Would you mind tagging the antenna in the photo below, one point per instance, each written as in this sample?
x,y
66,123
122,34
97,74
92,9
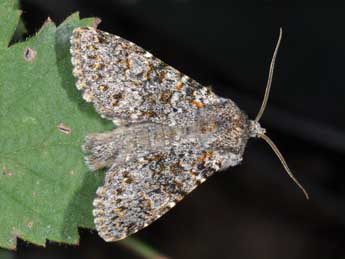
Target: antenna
x,y
261,134
270,77
282,160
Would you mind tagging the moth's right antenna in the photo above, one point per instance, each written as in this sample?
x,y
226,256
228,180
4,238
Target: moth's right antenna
x,y
260,132
282,160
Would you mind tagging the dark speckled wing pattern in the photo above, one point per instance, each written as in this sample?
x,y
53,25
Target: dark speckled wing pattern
x,y
127,84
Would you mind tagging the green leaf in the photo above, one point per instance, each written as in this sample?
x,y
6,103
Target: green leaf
x,y
46,192
8,21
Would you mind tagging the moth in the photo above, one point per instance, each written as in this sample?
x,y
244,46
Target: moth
x,y
172,132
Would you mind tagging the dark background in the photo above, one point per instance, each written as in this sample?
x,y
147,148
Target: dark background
x,y
253,210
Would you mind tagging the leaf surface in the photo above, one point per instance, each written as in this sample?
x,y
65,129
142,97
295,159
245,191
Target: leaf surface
x,y
46,191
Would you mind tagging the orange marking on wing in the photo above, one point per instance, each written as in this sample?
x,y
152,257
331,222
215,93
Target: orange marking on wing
x,y
198,104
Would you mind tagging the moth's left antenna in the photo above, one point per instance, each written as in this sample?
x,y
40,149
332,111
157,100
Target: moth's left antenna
x,y
270,77
261,134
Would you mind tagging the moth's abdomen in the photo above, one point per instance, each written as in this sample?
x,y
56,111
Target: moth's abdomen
x,y
125,143
101,149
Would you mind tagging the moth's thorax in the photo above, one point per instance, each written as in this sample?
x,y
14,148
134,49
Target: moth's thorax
x,y
232,128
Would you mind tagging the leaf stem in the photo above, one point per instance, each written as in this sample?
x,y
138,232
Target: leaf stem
x,y
140,248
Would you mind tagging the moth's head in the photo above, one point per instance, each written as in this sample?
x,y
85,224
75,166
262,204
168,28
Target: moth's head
x,y
255,130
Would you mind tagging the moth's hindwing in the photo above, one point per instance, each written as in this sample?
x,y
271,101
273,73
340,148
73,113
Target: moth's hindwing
x,y
139,192
127,84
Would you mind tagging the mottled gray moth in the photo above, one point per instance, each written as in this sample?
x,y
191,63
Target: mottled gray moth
x,y
172,132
